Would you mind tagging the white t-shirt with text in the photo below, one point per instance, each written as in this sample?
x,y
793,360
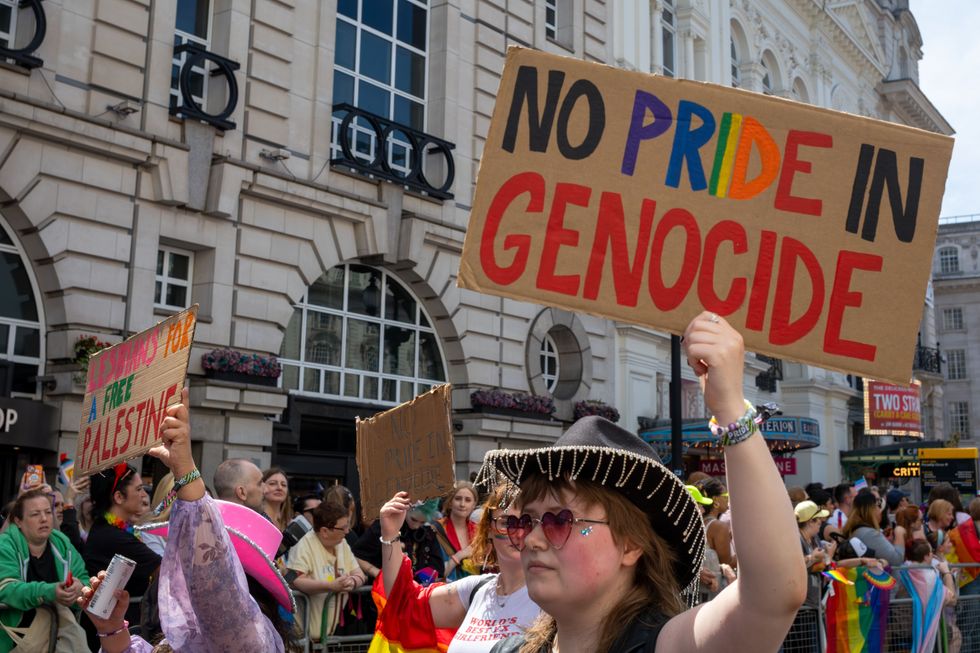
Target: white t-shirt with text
x,y
487,621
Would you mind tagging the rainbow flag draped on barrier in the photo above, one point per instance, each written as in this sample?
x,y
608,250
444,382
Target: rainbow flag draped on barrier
x,y
404,619
928,593
966,550
857,615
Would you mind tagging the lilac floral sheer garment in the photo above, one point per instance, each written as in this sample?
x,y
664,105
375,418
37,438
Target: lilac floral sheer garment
x,y
204,602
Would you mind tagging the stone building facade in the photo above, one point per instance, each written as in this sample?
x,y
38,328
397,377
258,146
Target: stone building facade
x,y
956,280
304,171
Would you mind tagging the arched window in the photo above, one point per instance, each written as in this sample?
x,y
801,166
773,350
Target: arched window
x,y
767,84
20,325
799,91
549,363
949,260
736,66
359,335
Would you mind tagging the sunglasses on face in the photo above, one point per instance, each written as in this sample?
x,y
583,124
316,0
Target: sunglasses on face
x,y
556,528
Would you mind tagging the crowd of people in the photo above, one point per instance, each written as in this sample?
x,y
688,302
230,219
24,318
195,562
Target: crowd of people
x,y
590,544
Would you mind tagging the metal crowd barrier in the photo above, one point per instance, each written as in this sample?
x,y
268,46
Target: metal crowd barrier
x,y
959,629
332,643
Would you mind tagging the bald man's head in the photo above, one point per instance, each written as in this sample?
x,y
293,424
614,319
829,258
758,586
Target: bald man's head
x,y
239,481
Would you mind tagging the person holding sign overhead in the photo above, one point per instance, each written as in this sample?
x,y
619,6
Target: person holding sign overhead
x,y
609,537
216,560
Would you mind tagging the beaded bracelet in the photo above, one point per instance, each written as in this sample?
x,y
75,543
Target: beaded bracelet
x,y
391,542
115,632
190,476
739,430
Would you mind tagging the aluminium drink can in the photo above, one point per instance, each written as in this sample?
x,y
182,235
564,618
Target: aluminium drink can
x,y
116,577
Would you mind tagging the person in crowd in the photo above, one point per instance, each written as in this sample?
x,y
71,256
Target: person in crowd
x,y
811,488
939,517
939,547
711,577
74,502
895,500
455,530
156,542
117,503
227,599
609,538
275,497
967,615
326,570
796,495
418,538
83,507
864,523
482,608
825,501
38,566
239,481
946,491
718,533
809,518
340,494
844,495
302,523
908,527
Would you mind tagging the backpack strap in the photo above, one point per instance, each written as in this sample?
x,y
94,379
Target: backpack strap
x,y
483,582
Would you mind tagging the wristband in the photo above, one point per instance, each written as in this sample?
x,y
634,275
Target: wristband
x,y
187,478
390,542
738,431
115,632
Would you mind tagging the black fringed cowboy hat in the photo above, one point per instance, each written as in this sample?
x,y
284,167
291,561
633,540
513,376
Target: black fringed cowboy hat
x,y
595,449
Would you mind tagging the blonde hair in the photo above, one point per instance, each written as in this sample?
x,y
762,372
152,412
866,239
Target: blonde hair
x,y
161,491
653,583
457,486
937,508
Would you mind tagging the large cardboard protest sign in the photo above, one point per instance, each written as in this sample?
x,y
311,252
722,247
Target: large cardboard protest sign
x,y
648,200
409,447
891,409
128,389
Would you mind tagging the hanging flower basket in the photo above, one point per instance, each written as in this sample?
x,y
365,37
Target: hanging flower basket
x,y
240,367
516,404
86,347
595,407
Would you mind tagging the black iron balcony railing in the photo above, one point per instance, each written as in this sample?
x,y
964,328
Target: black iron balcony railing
x,y
190,108
928,359
24,56
382,148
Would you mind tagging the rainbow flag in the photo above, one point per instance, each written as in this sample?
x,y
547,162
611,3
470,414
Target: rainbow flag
x,y
857,615
404,618
966,550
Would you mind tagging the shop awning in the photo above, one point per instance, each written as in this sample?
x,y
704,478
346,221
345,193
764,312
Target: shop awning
x,y
887,453
783,433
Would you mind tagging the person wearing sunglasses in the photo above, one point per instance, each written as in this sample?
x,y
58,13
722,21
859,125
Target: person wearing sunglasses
x,y
609,537
482,609
118,500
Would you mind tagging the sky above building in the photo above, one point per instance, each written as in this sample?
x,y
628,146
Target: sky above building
x,y
947,75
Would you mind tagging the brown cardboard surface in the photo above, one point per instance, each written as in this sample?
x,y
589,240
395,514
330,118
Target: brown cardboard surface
x,y
128,389
410,448
648,200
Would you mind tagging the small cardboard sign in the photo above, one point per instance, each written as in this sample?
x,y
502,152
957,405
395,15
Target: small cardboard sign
x,y
891,409
410,448
127,391
648,200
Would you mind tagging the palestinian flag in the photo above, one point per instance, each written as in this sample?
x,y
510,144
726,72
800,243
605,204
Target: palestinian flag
x,y
404,618
966,550
857,615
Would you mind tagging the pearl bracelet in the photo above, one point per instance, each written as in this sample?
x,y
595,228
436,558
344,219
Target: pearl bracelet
x,y
391,542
